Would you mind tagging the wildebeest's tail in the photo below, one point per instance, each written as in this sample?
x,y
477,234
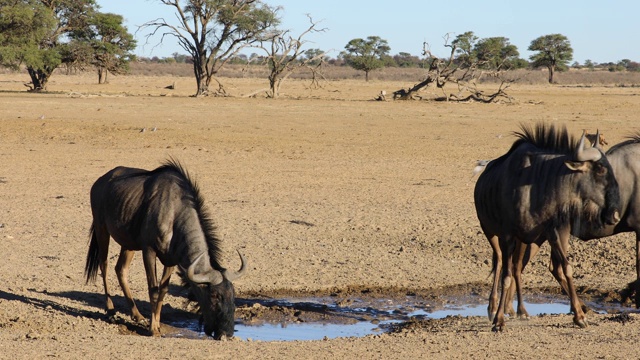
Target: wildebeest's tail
x,y
91,267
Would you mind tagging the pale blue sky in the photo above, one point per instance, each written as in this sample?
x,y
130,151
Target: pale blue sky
x,y
601,31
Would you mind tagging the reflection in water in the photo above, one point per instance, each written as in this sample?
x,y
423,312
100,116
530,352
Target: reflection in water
x,y
304,331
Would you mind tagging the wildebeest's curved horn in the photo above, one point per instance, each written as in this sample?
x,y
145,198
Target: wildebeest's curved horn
x,y
213,277
596,143
589,154
237,274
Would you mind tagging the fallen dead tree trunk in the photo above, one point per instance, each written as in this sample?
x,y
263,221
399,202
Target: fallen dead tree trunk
x,y
465,76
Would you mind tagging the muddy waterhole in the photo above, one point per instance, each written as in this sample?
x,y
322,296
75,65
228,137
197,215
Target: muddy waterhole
x,y
316,318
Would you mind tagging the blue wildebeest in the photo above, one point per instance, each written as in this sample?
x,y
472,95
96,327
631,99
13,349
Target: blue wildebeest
x,y
544,186
623,158
162,213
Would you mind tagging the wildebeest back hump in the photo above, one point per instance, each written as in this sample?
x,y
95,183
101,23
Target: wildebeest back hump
x,y
112,186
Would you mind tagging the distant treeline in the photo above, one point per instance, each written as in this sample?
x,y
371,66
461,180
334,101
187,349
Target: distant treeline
x,y
400,60
406,75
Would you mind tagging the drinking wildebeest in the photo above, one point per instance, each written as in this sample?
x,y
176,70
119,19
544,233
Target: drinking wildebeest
x,y
623,158
544,186
162,213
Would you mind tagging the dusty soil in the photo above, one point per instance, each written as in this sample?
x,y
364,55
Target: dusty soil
x,y
326,192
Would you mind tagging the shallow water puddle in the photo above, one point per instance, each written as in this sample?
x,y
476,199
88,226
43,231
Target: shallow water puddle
x,y
318,331
327,319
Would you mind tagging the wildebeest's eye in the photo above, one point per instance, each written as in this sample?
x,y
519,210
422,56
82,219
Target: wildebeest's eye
x,y
600,170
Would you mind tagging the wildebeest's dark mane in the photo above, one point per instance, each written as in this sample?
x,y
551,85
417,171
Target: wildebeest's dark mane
x,y
546,137
631,139
206,222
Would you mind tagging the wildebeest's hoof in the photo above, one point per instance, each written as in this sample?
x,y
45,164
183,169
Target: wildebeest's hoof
x,y
523,314
140,320
111,317
582,323
492,316
498,327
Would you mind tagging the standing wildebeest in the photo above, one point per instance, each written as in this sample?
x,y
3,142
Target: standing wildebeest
x,y
624,159
541,188
162,213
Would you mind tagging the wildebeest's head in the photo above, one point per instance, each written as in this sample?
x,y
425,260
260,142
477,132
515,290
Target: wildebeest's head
x,y
215,295
599,188
217,307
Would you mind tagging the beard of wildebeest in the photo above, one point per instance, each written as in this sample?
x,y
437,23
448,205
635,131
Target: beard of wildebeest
x,y
613,202
217,308
608,212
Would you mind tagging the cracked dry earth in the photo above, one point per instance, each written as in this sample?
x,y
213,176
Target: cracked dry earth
x,y
327,193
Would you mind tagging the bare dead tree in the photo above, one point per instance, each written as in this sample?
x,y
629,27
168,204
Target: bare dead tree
x,y
284,57
317,75
213,32
443,71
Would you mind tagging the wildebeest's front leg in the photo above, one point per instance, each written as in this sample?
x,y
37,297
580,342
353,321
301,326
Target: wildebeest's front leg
x,y
162,291
555,266
122,270
559,242
149,258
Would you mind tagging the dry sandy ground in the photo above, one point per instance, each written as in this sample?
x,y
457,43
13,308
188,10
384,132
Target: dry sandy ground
x,y
325,191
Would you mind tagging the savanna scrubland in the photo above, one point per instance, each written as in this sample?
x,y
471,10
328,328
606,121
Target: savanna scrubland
x,y
325,191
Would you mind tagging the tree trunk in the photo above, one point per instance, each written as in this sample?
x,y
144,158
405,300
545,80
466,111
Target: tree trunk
x,y
272,86
366,75
102,75
39,79
551,71
200,73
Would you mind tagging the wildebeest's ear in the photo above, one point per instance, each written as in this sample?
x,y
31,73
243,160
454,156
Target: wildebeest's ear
x,y
577,165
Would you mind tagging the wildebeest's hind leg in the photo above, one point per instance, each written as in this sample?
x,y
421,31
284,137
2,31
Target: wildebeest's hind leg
x,y
122,270
507,245
496,272
98,257
524,253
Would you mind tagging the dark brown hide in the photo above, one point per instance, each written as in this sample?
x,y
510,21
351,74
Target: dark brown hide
x,y
162,214
544,186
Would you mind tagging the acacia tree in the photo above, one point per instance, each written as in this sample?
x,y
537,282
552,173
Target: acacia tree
x,y
285,55
33,33
111,45
315,55
496,53
23,28
212,32
366,55
462,47
554,52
